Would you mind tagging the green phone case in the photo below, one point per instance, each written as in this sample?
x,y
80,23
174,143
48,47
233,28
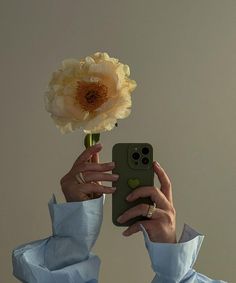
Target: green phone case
x,y
132,174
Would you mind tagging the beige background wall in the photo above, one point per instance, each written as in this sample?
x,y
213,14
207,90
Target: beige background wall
x,y
183,56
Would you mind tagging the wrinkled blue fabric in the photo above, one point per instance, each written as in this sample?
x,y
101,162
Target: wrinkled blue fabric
x,y
66,256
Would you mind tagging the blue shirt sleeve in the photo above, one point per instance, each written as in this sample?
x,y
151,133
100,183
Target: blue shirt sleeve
x,y
66,256
173,263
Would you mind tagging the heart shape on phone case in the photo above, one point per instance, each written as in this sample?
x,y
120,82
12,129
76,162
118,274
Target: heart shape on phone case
x,y
133,183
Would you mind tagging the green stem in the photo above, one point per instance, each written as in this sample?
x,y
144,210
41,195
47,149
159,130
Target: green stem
x,y
91,139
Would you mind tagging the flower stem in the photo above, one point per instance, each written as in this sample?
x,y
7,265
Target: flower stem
x,y
91,139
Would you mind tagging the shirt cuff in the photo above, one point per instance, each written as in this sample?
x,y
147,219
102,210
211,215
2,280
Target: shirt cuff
x,y
171,262
75,226
76,218
28,266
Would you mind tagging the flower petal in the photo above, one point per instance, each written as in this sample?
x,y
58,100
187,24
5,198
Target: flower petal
x,y
61,100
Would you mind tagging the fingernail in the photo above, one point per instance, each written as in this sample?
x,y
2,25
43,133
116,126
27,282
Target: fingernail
x,y
113,188
156,163
128,197
119,219
98,145
111,164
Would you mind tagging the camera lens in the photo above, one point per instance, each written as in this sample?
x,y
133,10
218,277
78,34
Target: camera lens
x,y
145,160
145,150
136,155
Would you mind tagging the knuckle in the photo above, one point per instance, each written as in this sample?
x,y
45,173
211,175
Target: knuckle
x,y
169,219
171,210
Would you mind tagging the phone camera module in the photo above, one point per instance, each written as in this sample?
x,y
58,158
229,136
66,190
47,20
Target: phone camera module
x,y
145,150
135,155
145,160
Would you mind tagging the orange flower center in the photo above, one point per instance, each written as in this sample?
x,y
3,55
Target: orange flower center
x,y
90,96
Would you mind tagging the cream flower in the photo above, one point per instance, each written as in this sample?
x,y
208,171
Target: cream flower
x,y
90,94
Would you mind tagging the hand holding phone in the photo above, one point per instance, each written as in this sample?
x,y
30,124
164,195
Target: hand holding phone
x,y
133,164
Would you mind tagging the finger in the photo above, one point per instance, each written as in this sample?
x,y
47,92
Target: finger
x,y
94,176
132,230
154,193
165,182
95,158
87,153
136,227
94,188
139,210
98,167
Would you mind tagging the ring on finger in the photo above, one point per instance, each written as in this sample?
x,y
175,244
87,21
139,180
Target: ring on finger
x,y
151,210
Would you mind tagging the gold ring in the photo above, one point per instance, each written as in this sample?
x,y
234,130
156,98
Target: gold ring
x,y
151,209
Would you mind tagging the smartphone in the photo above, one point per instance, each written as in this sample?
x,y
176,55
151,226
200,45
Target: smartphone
x,y
133,163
